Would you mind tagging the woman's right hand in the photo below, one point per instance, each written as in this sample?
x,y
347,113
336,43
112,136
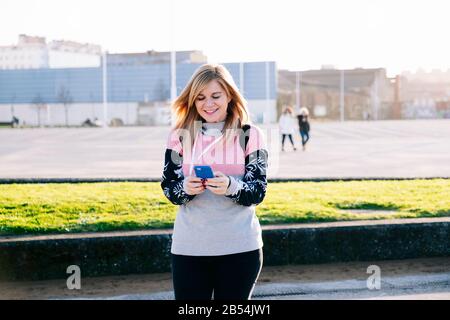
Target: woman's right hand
x,y
193,185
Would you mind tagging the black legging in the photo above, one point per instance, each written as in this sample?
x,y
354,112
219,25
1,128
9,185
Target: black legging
x,y
231,277
284,137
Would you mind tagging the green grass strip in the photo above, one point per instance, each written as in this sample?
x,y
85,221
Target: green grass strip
x,y
95,207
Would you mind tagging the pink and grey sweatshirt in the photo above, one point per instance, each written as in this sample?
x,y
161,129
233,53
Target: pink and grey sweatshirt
x,y
208,224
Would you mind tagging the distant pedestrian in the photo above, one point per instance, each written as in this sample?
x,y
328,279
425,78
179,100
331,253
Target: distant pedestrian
x,y
15,122
304,126
287,126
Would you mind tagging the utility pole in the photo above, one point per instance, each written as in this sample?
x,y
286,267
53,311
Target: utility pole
x,y
173,66
397,105
298,78
265,114
105,90
375,99
241,77
342,95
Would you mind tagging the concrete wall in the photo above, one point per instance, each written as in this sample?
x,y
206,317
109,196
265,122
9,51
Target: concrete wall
x,y
54,114
262,111
47,257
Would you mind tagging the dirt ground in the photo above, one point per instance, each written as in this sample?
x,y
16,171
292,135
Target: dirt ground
x,y
149,283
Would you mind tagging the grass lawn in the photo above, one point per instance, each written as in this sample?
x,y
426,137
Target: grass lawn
x,y
60,208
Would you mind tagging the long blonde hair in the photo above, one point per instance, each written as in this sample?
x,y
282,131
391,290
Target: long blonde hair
x,y
304,111
184,109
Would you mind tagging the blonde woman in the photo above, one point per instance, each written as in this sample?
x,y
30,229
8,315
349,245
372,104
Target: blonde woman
x,y
216,244
287,126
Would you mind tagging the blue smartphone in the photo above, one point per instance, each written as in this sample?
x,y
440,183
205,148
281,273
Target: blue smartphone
x,y
204,172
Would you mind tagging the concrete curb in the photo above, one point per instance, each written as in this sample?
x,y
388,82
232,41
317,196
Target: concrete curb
x,y
138,252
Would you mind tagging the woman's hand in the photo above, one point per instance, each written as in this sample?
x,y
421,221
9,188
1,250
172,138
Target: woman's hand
x,y
193,185
219,184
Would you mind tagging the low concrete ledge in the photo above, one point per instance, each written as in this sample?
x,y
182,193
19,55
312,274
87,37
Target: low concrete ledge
x,y
137,252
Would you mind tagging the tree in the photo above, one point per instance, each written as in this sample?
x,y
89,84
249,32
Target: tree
x,y
39,104
66,99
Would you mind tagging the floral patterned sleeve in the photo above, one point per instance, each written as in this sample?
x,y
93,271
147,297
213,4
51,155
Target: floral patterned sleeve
x,y
172,177
251,190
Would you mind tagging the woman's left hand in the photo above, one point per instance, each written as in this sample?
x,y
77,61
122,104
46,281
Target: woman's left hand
x,y
219,184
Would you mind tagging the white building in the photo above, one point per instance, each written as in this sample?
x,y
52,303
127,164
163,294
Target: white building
x,y
29,53
34,53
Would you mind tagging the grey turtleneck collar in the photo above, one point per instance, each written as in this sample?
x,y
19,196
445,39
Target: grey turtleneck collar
x,y
212,128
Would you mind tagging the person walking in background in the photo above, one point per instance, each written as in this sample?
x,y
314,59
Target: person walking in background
x,y
287,126
217,240
304,126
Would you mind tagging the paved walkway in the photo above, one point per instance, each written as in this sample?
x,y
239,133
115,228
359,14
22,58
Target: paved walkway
x,y
416,148
426,278
431,286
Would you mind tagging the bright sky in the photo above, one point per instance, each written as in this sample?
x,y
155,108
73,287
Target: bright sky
x,y
297,34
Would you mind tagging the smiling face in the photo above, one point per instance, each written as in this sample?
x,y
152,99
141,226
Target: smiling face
x,y
212,102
